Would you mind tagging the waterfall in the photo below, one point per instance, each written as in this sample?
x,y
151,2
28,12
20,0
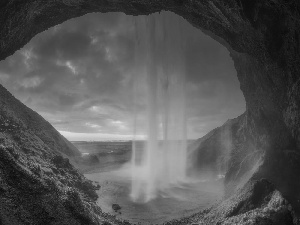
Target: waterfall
x,y
160,77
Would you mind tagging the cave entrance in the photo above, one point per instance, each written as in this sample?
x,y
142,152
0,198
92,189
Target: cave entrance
x,y
78,76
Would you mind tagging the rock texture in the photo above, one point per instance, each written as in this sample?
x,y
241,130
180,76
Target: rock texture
x,y
15,116
210,155
38,185
257,203
263,39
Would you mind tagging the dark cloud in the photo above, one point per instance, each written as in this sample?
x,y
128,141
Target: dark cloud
x,y
78,76
63,45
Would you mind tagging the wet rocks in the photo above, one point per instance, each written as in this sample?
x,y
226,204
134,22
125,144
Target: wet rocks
x,y
258,202
116,207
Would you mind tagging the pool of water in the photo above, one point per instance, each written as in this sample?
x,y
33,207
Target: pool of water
x,y
179,201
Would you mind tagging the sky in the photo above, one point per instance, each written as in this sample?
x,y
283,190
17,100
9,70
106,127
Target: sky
x,y
77,76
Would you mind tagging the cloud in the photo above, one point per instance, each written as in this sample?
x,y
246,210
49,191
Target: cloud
x,y
31,82
92,125
78,75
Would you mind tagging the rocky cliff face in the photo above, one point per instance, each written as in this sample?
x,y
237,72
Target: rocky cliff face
x,y
263,39
226,151
38,185
15,116
210,155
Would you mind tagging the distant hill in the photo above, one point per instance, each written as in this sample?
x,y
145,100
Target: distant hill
x,y
102,155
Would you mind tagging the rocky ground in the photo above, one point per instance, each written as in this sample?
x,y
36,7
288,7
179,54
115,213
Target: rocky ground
x,y
257,203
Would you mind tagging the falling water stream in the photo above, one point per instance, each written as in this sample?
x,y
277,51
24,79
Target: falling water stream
x,y
153,187
160,72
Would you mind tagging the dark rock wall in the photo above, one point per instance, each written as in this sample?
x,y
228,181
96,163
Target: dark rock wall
x,y
263,39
